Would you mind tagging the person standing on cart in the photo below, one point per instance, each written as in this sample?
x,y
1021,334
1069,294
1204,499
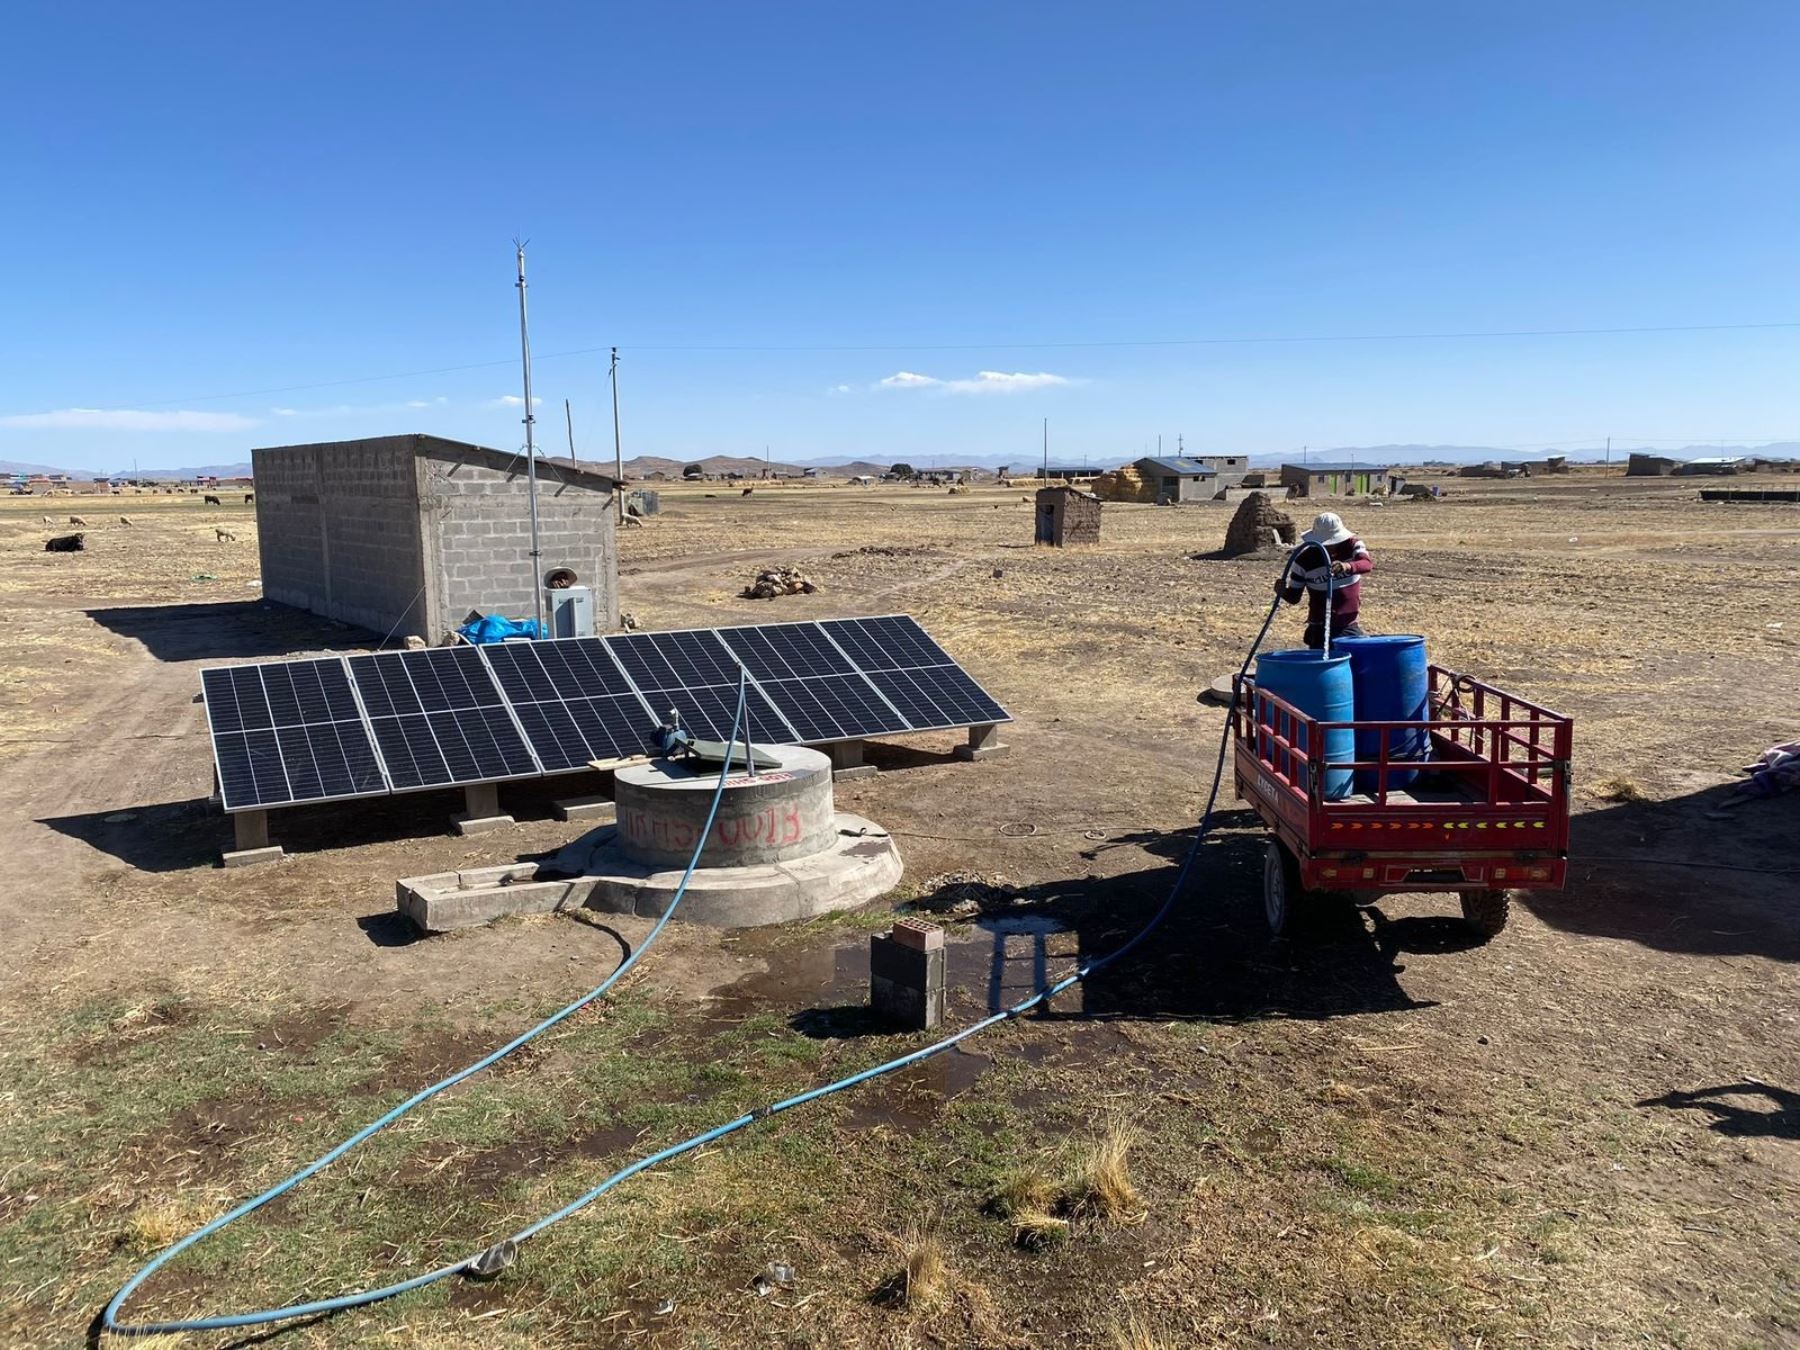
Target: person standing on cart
x,y
1337,566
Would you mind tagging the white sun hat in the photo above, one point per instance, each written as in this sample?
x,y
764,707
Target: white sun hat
x,y
1327,528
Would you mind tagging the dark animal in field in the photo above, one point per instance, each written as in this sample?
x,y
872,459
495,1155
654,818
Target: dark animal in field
x,y
210,500
748,491
65,543
124,520
249,497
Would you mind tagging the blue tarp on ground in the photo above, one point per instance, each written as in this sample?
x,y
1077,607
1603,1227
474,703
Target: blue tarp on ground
x,y
495,628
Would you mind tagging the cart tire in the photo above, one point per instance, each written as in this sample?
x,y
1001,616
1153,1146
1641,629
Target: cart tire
x,y
1281,887
1486,911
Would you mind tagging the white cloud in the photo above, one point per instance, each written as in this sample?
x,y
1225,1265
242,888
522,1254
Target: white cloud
x,y
984,382
838,389
285,412
514,401
129,419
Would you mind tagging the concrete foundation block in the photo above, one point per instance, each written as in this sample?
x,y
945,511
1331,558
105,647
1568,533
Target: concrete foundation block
x,y
444,911
251,857
466,825
983,743
906,984
974,752
585,808
854,772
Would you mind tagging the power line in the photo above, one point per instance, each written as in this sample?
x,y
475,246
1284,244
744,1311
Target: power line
x,y
1098,345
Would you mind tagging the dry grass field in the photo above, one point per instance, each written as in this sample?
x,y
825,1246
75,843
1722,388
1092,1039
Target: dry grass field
x,y
1376,1133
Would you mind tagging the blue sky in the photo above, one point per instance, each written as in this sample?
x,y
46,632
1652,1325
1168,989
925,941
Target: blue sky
x,y
773,209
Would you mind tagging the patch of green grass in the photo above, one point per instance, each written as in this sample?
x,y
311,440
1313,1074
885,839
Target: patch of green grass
x,y
1364,1178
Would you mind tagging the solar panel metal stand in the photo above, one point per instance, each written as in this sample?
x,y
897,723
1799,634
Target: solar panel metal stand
x,y
481,810
847,761
984,743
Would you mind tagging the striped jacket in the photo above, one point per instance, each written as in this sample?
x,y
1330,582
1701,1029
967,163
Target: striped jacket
x,y
1307,575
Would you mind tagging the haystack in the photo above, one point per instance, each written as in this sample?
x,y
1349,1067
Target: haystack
x,y
1258,527
1124,485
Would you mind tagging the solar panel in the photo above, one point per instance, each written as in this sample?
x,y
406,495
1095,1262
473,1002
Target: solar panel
x,y
694,674
892,642
286,733
913,673
573,701
439,719
784,651
319,730
812,683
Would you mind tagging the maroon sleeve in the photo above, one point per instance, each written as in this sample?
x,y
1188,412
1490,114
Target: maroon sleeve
x,y
1360,561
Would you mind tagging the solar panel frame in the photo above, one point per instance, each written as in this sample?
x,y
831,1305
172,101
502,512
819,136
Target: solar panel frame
x,y
443,689
552,718
299,735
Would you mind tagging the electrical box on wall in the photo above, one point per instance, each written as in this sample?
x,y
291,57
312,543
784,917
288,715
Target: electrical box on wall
x,y
569,611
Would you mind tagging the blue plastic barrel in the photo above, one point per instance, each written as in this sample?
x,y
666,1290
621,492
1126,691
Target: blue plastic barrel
x,y
1321,687
1390,679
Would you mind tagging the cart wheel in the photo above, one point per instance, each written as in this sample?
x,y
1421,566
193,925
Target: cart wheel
x,y
1281,887
1486,911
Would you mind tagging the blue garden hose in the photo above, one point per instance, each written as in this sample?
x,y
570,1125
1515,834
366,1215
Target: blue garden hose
x,y
502,1253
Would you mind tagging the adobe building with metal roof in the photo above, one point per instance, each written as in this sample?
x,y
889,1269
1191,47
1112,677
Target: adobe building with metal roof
x,y
411,534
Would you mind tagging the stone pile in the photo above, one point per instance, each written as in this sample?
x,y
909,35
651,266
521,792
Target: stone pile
x,y
774,581
1258,527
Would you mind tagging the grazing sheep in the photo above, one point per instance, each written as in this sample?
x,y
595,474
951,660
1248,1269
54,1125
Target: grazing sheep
x,y
77,520
748,491
225,536
210,500
249,497
124,520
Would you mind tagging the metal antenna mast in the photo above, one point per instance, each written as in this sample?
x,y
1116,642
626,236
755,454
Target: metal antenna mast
x,y
569,417
537,580
618,452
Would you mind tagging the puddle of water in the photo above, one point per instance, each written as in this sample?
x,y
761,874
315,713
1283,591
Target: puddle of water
x,y
915,1096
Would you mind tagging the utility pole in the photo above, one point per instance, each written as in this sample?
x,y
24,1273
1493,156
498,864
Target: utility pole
x,y
537,580
1046,449
569,417
1609,450
618,451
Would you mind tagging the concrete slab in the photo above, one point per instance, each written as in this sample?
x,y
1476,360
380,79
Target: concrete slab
x,y
584,808
973,752
853,773
466,825
860,865
443,911
252,857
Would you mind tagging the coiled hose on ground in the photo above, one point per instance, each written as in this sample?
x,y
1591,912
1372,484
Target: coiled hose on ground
x,y
494,1258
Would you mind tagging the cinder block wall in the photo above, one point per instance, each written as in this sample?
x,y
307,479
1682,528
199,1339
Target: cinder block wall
x,y
339,533
478,529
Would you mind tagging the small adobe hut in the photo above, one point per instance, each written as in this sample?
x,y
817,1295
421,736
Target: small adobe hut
x,y
1067,515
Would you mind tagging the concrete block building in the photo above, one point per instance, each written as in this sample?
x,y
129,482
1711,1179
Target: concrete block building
x,y
408,534
1178,479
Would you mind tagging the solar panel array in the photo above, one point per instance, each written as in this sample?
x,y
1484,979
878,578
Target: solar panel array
x,y
289,733
320,730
